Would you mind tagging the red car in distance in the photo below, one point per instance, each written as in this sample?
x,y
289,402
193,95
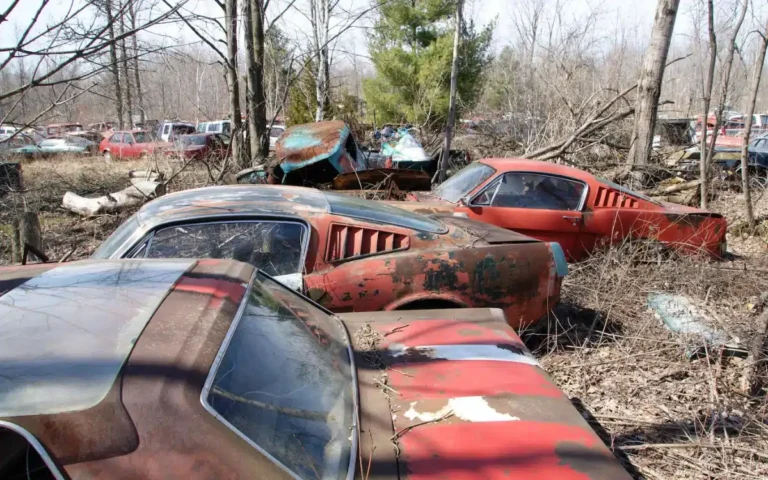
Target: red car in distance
x,y
556,203
129,144
200,146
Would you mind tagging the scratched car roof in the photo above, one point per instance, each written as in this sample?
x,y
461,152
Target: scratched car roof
x,y
233,200
67,331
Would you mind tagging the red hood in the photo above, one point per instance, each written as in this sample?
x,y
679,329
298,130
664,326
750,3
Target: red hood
x,y
467,400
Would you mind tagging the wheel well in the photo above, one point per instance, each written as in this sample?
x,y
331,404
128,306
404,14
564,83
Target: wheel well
x,y
429,304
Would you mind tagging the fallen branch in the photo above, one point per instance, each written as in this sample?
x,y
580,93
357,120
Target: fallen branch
x,y
138,193
674,188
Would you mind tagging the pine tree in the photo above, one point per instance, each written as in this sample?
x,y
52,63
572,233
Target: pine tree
x,y
411,49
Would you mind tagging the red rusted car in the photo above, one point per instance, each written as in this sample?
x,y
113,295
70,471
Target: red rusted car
x,y
562,204
155,369
199,146
350,254
129,144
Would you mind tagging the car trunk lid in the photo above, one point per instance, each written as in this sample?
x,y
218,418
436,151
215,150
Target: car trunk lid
x,y
456,394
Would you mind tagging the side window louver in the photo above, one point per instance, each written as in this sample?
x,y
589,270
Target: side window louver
x,y
347,241
611,198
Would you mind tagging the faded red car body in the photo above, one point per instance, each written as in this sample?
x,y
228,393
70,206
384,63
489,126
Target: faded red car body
x,y
358,264
129,144
603,213
465,399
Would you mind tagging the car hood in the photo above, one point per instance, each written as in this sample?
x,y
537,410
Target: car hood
x,y
456,394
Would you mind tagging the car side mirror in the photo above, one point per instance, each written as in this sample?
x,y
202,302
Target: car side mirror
x,y
464,201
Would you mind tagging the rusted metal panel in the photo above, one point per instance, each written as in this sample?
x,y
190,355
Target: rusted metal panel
x,y
468,401
382,178
302,146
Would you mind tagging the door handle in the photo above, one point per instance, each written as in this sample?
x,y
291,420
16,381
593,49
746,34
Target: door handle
x,y
573,220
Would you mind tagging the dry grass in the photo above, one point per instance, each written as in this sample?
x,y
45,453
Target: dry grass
x,y
46,182
666,416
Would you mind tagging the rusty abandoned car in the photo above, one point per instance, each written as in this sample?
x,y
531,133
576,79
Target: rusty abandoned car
x,y
350,254
567,205
188,369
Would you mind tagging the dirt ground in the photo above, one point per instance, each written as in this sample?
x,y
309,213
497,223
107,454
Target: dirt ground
x,y
665,415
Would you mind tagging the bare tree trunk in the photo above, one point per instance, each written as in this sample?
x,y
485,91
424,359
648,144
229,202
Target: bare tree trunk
x,y
252,146
650,84
137,75
704,155
452,101
258,114
126,76
320,16
756,75
230,13
114,66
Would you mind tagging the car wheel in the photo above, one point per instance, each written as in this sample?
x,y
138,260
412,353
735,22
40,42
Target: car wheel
x,y
107,156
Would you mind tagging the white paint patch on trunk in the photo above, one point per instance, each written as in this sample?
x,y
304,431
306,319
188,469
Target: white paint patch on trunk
x,y
470,409
466,353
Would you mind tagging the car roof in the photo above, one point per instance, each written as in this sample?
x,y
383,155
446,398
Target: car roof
x,y
522,164
232,200
92,327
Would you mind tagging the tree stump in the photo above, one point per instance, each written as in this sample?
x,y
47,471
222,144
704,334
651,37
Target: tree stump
x,y
26,230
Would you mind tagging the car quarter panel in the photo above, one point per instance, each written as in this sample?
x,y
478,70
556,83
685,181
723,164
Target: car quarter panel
x,y
162,384
514,277
483,406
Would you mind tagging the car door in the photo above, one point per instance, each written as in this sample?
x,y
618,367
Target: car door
x,y
276,247
128,146
546,207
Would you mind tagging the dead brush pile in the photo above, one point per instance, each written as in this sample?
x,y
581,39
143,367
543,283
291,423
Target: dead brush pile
x,y
666,415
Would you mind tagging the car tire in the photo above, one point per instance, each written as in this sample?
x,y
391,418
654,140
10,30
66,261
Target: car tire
x,y
107,156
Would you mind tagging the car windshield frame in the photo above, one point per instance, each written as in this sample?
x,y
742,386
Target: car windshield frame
x,y
383,214
466,174
286,293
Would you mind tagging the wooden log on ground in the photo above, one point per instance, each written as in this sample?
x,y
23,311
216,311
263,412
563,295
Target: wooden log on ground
x,y
138,193
26,231
679,187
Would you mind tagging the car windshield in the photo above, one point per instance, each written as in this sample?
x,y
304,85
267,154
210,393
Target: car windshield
x,y
284,382
118,238
464,181
189,140
627,191
349,206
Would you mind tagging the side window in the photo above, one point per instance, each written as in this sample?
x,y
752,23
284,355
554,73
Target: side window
x,y
276,132
166,129
487,195
225,128
534,190
127,138
116,138
276,248
213,128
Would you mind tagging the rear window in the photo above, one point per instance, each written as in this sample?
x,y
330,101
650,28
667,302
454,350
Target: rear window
x,y
283,380
349,206
65,334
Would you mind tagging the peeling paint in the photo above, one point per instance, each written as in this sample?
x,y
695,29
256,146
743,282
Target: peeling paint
x,y
494,353
470,409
